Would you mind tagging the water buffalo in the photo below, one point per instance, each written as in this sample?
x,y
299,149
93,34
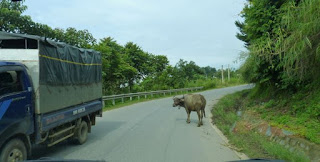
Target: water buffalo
x,y
192,102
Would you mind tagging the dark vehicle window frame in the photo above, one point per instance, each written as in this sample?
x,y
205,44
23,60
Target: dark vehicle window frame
x,y
19,79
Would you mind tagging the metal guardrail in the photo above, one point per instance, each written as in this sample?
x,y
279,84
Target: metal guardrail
x,y
145,94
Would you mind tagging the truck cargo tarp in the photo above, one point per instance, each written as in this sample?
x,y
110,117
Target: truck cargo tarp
x,y
62,64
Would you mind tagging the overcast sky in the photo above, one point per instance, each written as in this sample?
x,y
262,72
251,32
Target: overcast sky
x,y
202,31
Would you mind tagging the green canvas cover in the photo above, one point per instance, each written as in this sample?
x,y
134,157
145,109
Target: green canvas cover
x,y
62,64
63,76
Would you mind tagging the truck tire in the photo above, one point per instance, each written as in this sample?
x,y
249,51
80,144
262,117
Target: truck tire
x,y
15,150
82,133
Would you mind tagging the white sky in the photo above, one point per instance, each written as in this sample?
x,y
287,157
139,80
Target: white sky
x,y
202,31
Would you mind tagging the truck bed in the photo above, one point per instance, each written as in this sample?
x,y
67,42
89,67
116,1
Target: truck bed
x,y
54,119
62,75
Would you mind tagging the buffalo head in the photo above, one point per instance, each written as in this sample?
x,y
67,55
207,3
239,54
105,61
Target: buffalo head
x,y
178,102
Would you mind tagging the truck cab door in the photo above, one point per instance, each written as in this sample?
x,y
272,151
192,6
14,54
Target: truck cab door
x,y
16,109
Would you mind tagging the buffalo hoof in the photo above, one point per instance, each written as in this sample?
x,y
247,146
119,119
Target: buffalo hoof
x,y
188,121
199,125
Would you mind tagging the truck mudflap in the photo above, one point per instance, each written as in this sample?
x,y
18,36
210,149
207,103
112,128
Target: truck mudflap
x,y
54,119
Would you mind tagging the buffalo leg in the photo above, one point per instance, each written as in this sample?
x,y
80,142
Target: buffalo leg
x,y
201,117
199,123
188,120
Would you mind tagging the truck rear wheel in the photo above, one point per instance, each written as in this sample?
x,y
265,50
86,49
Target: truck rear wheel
x,y
82,133
15,150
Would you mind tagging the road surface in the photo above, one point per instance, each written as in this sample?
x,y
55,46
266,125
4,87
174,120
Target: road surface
x,y
150,131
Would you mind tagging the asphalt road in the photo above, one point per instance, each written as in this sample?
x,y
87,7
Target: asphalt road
x,y
150,131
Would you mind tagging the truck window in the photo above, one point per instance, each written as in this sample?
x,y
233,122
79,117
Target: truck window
x,y
10,82
19,44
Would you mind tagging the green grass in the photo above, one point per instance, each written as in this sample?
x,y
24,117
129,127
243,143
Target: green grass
x,y
249,142
215,83
224,113
257,146
298,112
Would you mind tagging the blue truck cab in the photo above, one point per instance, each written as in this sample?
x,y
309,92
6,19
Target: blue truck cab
x,y
16,107
49,92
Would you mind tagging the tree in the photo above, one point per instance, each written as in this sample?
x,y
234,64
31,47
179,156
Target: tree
x,y
261,22
138,59
79,38
116,71
12,20
189,71
209,72
282,39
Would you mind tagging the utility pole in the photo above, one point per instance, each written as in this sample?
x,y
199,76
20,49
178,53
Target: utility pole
x,y
206,74
228,73
222,74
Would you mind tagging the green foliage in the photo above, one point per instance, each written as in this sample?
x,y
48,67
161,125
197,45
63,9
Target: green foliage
x,y
159,63
12,20
207,84
116,71
283,42
224,112
138,59
78,38
249,142
209,71
283,59
125,68
261,17
256,146
130,69
299,43
298,112
188,70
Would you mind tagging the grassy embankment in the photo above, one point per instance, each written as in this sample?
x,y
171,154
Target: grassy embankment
x,y
298,112
207,84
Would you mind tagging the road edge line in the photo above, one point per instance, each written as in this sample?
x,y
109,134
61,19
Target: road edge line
x,y
241,155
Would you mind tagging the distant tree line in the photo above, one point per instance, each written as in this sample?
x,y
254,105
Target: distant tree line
x,y
125,68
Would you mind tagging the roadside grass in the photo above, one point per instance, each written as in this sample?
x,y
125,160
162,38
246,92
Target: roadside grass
x,y
224,112
206,84
249,142
298,112
257,146
215,83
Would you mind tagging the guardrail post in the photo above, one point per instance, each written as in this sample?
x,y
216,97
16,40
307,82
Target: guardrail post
x,y
130,98
164,93
145,96
138,97
151,95
113,102
122,99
